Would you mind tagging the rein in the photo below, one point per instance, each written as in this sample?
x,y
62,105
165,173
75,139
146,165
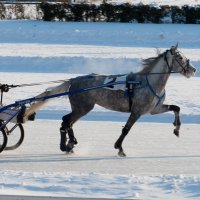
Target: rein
x,y
183,68
7,87
39,83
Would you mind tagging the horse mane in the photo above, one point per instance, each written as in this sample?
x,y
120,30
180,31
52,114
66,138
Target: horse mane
x,y
149,63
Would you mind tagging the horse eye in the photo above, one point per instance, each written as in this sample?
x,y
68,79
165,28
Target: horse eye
x,y
180,57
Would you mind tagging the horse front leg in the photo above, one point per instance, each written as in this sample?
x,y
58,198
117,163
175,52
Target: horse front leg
x,y
118,144
177,122
167,108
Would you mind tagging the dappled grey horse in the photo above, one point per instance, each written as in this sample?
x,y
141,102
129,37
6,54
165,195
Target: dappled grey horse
x,y
142,93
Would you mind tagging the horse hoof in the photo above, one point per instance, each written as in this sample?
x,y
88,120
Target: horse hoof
x,y
63,147
121,154
176,133
70,152
66,148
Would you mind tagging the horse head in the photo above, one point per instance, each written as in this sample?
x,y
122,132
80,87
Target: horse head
x,y
180,63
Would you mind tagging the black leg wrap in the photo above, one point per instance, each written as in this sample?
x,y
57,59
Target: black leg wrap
x,y
176,132
177,122
72,140
118,143
63,139
70,133
125,131
174,108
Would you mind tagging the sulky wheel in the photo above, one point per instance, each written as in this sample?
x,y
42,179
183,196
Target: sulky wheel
x,y
3,139
15,134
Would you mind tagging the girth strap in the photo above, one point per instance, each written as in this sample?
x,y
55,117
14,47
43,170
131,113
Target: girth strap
x,y
130,85
130,93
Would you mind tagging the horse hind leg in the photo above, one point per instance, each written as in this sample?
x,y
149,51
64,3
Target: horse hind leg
x,y
66,128
72,140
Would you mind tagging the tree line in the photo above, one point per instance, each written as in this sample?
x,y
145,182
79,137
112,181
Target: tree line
x,y
115,13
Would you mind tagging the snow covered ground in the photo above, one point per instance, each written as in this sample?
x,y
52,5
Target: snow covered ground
x,y
148,172
32,51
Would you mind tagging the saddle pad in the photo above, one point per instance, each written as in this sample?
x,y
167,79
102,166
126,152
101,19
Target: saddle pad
x,y
114,79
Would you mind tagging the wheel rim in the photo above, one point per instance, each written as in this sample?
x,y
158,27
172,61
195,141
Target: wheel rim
x,y
15,134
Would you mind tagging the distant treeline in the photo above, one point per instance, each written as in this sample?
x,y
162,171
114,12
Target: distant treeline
x,y
121,13
116,13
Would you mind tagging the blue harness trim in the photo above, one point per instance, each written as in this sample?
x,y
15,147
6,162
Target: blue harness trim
x,y
154,93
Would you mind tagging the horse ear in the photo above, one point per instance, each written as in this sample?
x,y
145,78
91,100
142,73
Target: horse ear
x,y
174,48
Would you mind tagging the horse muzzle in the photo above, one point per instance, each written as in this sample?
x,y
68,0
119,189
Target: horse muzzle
x,y
189,71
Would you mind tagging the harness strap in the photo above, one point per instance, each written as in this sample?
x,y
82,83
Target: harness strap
x,y
131,82
165,58
130,90
154,93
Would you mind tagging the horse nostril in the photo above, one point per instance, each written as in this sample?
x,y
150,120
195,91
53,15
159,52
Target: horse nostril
x,y
195,70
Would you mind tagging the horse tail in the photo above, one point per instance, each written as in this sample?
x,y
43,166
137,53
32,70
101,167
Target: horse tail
x,y
64,87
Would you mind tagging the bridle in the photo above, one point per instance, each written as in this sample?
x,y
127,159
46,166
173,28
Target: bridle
x,y
184,68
